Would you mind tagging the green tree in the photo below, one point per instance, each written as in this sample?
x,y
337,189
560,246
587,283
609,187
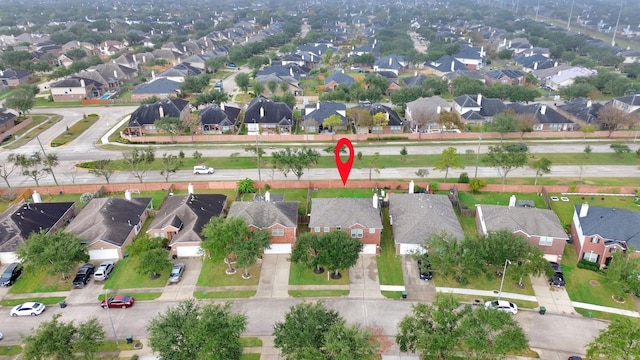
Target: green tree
x,y
380,120
541,166
623,273
506,158
273,86
222,236
526,122
170,164
587,129
373,162
172,125
249,250
215,63
587,151
139,161
35,166
144,244
476,184
341,250
22,100
8,168
245,186
505,122
403,153
448,159
102,168
465,85
448,120
56,252
153,262
352,342
332,122
192,331
294,160
284,87
258,88
620,149
617,341
307,251
242,81
55,339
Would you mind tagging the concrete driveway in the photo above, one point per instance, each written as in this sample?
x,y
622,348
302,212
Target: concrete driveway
x,y
183,289
417,289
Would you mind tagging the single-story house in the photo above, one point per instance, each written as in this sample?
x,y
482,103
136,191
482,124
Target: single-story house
x,y
219,119
265,115
161,88
143,119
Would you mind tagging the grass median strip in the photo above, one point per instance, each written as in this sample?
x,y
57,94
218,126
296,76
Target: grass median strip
x,y
141,296
10,350
238,294
43,300
318,293
75,130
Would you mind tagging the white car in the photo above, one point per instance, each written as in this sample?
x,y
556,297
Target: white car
x,y
1,336
502,305
103,271
201,169
28,308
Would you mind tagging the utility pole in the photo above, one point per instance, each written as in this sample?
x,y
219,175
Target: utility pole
x,y
46,158
613,39
570,13
258,154
504,271
106,297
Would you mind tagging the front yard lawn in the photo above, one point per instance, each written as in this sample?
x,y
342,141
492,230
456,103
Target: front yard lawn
x,y
241,294
389,265
40,281
125,276
43,300
482,282
318,293
302,275
137,296
213,274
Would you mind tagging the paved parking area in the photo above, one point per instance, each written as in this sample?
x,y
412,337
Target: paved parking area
x,y
363,278
417,289
184,289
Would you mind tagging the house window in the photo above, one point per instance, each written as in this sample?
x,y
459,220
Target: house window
x,y
590,256
158,235
537,127
377,129
595,240
372,230
546,241
357,233
396,128
612,250
327,229
316,229
277,232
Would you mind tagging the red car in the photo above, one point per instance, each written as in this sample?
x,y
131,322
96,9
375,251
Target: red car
x,y
118,301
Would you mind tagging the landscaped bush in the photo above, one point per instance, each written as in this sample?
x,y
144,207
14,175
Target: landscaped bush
x,y
463,178
588,265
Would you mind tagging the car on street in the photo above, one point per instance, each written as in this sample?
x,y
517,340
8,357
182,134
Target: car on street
x,y
28,308
425,270
83,275
574,357
118,301
104,271
1,336
202,169
502,305
11,274
176,273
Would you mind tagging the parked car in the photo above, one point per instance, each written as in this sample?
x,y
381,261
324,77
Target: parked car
x,y
502,305
28,308
201,169
557,280
176,273
11,274
1,336
425,270
118,301
556,267
574,357
83,275
104,271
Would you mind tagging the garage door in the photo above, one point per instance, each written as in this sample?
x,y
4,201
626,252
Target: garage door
x,y
189,251
369,249
8,257
103,254
279,249
410,249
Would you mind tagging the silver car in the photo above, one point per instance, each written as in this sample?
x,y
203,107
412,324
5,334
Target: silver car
x,y
103,271
176,273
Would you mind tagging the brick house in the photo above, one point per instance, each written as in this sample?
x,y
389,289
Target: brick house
x,y
143,119
19,221
14,77
7,120
539,227
280,218
76,89
181,218
360,218
108,225
598,232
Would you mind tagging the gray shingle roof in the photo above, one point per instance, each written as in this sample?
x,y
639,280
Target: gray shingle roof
x,y
417,217
345,213
264,214
612,223
158,86
19,221
532,221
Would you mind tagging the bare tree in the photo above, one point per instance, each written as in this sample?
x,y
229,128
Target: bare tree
x,y
526,122
33,166
139,161
8,168
611,118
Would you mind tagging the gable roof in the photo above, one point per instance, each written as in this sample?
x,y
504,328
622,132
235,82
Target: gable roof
x,y
323,110
416,80
14,74
340,78
344,212
19,221
75,82
544,114
417,217
446,64
158,86
531,221
223,115
390,62
584,109
611,223
190,213
181,70
500,73
394,118
148,113
264,214
108,219
262,110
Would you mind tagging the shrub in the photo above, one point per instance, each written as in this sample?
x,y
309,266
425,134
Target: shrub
x,y
463,178
588,265
433,186
476,184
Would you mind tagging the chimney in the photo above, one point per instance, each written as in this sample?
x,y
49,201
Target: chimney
x,y
415,73
512,201
390,60
36,197
129,222
482,51
375,201
535,65
190,189
318,105
584,210
509,42
589,103
411,187
161,111
153,74
127,194
184,49
543,109
438,109
222,106
261,112
453,66
144,59
291,71
82,84
115,74
479,99
267,196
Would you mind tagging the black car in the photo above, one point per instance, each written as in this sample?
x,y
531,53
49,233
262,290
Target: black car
x,y
557,280
556,267
83,275
425,270
11,274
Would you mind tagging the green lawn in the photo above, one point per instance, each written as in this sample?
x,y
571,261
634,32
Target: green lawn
x,y
10,350
213,274
588,286
44,102
142,296
240,294
75,130
318,293
40,281
125,276
40,123
250,356
43,300
389,265
110,345
250,341
494,198
484,282
301,275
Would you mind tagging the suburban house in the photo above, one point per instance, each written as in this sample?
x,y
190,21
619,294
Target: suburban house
x,y
219,119
7,121
108,225
472,57
19,221
265,115
279,218
161,88
180,72
581,110
76,89
477,108
394,63
539,227
546,117
143,119
181,218
535,62
14,77
628,103
394,125
334,80
360,218
422,114
445,64
415,218
567,77
315,114
505,77
113,75
598,232
415,81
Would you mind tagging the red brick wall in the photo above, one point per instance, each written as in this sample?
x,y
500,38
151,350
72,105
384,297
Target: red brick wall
x,y
288,238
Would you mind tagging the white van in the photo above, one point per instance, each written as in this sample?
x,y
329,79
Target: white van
x,y
202,169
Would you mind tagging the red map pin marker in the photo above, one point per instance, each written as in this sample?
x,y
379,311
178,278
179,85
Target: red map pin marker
x,y
344,168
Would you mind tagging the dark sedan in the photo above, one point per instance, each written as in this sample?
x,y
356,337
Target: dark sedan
x,y
118,301
425,270
557,280
83,275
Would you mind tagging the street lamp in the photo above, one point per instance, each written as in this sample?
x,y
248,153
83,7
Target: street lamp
x,y
504,271
106,298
